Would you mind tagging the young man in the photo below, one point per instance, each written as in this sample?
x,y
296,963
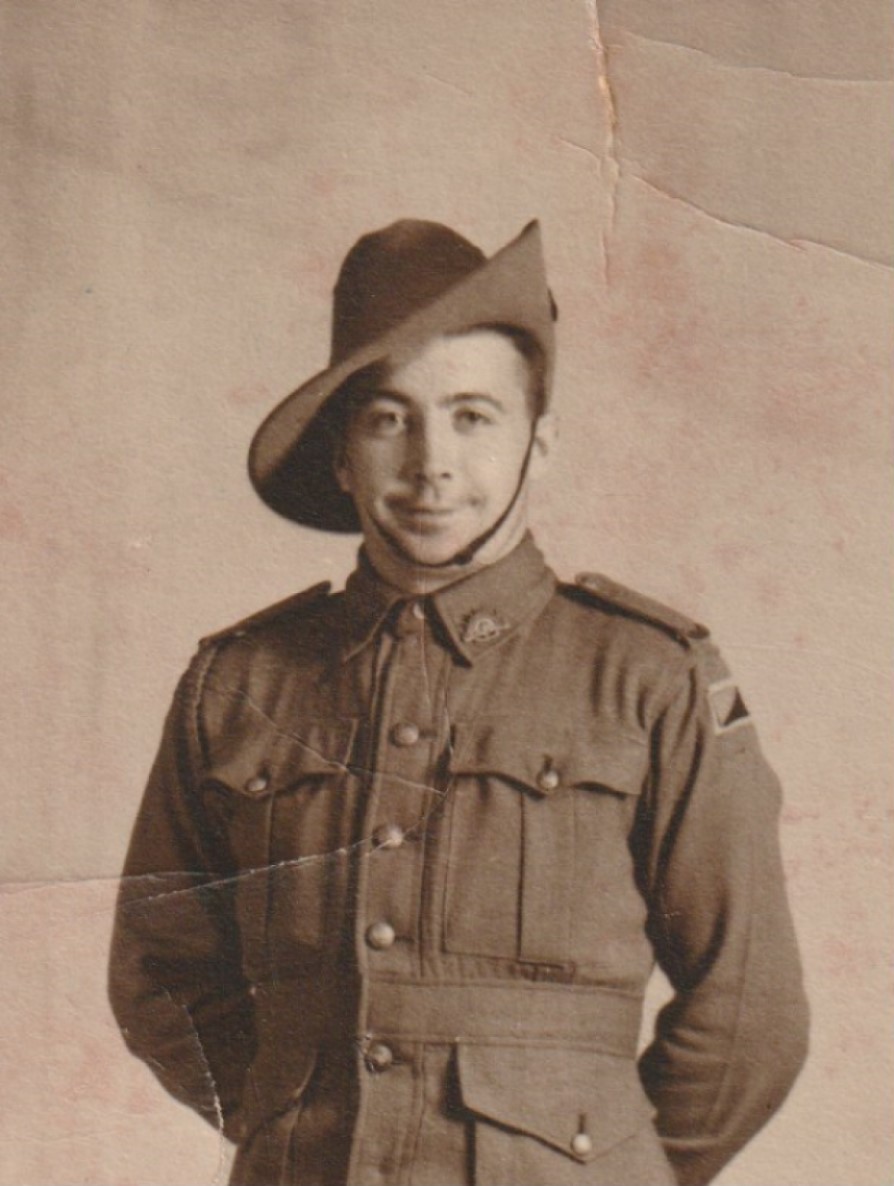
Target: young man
x,y
409,852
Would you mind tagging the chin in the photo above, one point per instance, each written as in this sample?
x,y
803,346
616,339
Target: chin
x,y
430,551
430,545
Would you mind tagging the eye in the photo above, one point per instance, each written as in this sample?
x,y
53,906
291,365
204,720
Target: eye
x,y
383,420
468,418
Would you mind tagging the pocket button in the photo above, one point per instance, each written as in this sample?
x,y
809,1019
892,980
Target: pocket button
x,y
548,779
388,836
582,1144
257,784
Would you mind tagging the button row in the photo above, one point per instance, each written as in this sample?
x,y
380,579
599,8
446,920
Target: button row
x,y
405,734
378,1056
409,624
388,836
380,935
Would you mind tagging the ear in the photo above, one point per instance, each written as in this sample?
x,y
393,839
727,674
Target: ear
x,y
545,437
342,470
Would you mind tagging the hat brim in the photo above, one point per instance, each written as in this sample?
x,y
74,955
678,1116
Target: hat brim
x,y
290,461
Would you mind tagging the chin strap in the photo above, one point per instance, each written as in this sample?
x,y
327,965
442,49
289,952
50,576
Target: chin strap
x,y
467,554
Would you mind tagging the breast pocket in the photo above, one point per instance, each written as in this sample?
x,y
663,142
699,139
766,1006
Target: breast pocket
x,y
277,805
538,824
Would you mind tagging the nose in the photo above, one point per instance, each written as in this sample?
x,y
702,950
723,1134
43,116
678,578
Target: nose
x,y
431,455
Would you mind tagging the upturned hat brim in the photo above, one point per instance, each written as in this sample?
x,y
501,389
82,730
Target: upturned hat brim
x,y
290,461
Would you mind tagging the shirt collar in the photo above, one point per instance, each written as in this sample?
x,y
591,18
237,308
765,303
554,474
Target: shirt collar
x,y
368,600
478,612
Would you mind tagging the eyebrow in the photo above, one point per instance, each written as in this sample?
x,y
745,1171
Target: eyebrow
x,y
449,401
478,396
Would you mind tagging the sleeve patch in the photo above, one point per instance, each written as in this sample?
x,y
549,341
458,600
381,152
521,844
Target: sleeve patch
x,y
728,710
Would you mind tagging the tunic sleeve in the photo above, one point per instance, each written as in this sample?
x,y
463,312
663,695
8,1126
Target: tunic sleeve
x,y
731,1042
175,984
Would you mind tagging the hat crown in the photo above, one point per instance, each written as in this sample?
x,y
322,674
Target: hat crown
x,y
390,274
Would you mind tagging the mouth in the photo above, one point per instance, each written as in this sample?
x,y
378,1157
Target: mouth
x,y
404,505
420,516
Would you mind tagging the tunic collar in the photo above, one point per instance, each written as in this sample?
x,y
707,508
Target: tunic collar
x,y
477,612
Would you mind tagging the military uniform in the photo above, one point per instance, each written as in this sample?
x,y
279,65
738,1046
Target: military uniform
x,y
404,866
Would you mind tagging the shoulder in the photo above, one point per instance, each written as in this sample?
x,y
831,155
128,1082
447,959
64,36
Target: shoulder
x,y
717,692
252,660
699,670
611,598
299,607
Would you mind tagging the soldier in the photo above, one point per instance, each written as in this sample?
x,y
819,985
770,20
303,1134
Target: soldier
x,y
410,851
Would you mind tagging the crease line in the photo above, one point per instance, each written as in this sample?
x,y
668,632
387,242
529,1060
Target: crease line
x,y
754,66
446,82
801,243
611,159
218,1110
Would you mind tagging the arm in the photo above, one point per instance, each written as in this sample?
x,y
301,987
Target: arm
x,y
731,1042
175,983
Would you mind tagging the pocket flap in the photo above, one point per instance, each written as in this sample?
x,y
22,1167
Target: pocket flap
x,y
579,1102
265,761
546,761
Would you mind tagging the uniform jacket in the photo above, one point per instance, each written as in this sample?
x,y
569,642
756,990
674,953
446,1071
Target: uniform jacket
x,y
403,869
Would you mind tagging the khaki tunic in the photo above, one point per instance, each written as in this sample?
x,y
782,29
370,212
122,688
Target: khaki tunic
x,y
403,869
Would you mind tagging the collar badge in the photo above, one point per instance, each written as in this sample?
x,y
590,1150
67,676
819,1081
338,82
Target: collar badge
x,y
483,626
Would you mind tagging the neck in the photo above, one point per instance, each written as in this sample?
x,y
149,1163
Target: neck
x,y
418,580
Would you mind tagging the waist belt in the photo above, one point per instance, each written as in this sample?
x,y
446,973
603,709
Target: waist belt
x,y
513,1013
295,1017
509,1012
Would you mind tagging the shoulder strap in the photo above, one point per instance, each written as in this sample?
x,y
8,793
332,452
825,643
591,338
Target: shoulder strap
x,y
611,594
289,605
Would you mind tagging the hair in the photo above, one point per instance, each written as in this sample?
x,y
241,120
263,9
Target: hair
x,y
533,354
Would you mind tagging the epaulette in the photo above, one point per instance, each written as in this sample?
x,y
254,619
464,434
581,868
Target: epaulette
x,y
607,592
298,601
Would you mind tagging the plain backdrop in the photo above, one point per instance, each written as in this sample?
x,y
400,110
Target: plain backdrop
x,y
180,182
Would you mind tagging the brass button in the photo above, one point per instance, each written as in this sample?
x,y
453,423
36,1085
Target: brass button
x,y
405,734
379,1057
388,836
548,779
582,1144
380,935
255,785
409,624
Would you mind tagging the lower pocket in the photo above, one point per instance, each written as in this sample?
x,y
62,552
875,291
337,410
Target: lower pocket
x,y
502,1157
555,1116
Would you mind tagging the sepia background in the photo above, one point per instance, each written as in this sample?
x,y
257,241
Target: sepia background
x,y
181,181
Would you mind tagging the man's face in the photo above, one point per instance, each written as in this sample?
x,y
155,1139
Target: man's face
x,y
433,455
